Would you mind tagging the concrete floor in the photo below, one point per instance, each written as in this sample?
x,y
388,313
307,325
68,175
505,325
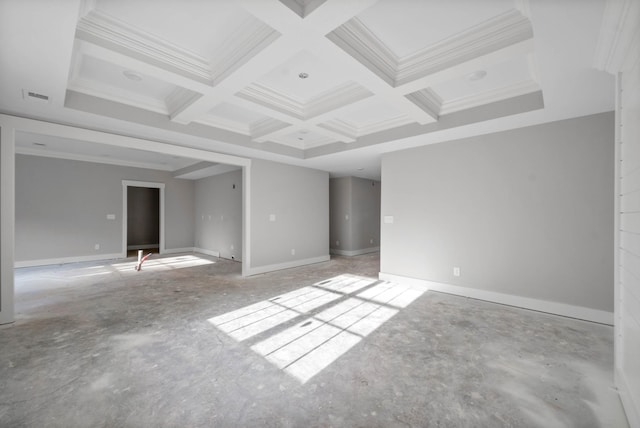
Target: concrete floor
x,y
101,345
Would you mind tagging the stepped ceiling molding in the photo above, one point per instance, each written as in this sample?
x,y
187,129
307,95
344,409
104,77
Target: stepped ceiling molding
x,y
320,83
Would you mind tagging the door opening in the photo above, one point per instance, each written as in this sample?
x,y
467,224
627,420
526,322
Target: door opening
x,y
143,218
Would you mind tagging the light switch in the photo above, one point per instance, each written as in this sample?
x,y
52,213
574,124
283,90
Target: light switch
x,y
272,217
388,219
111,216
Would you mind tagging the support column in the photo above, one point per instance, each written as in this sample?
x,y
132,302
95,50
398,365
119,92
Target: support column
x,y
7,222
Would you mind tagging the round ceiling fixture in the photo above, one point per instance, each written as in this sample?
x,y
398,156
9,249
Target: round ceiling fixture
x,y
303,75
477,75
132,75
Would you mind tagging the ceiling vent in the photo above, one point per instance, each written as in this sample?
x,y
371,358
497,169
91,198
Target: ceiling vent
x,y
35,97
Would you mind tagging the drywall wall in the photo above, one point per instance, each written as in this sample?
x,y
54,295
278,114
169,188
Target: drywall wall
x,y
354,215
218,215
7,180
62,207
365,214
339,214
628,304
289,209
143,218
524,212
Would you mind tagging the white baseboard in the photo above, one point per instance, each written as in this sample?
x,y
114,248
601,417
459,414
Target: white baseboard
x,y
177,250
286,265
556,308
65,260
350,253
142,247
207,252
630,403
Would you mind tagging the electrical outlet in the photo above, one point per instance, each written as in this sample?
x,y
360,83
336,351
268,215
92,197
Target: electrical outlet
x,y
456,271
337,243
96,247
293,251
370,241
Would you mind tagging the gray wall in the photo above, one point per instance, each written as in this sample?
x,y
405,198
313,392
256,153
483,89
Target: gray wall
x,y
143,217
628,310
218,214
339,208
299,200
354,215
61,207
525,212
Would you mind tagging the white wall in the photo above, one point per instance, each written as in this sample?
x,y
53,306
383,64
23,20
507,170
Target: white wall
x,y
628,302
61,208
354,215
297,200
218,215
524,213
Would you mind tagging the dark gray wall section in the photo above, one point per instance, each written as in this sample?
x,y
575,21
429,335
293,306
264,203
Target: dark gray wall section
x,y
61,207
527,212
299,199
218,214
359,199
143,216
339,207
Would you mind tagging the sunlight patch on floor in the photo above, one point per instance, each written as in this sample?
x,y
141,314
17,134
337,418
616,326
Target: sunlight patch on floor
x,y
164,263
306,348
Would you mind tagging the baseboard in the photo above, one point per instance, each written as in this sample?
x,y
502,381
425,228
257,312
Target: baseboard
x,y
65,260
631,407
287,265
207,252
142,247
350,253
556,308
177,250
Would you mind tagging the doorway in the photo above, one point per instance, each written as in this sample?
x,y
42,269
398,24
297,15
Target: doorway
x,y
142,218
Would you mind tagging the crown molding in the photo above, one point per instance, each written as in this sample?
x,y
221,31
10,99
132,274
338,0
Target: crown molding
x,y
99,28
222,123
491,96
344,94
341,126
618,33
303,8
265,96
266,126
247,40
427,100
360,42
354,131
179,99
494,34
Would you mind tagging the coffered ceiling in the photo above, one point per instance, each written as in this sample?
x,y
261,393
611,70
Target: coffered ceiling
x,y
329,84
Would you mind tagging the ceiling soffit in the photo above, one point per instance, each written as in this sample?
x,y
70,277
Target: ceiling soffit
x,y
252,82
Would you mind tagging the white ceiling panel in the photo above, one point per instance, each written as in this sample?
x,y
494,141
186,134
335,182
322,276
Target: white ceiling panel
x,y
497,76
201,27
406,26
321,77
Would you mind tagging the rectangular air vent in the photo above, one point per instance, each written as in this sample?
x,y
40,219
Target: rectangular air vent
x,y
35,96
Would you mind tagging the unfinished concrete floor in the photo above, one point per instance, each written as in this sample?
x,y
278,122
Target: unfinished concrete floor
x,y
101,345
